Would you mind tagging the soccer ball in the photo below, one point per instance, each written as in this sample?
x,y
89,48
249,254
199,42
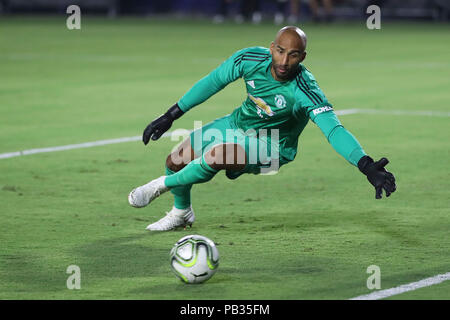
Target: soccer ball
x,y
194,259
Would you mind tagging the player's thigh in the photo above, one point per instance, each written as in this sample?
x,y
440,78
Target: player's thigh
x,y
210,135
226,156
182,155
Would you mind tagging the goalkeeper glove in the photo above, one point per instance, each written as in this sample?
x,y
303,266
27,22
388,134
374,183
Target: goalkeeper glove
x,y
160,125
377,175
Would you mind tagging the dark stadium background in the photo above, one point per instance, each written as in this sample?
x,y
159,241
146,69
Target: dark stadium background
x,y
344,9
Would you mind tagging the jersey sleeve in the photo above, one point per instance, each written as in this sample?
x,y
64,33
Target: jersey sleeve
x,y
340,138
313,103
229,71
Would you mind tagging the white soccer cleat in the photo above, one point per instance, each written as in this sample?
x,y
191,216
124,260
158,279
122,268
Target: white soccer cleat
x,y
143,195
173,219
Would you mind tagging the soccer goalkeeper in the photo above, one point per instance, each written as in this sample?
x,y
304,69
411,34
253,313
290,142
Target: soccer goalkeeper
x,y
282,96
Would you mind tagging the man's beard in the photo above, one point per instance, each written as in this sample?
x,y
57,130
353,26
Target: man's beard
x,y
288,75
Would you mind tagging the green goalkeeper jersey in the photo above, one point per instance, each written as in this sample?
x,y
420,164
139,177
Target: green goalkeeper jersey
x,y
271,104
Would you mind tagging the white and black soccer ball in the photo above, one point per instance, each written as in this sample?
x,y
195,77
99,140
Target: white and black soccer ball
x,y
194,259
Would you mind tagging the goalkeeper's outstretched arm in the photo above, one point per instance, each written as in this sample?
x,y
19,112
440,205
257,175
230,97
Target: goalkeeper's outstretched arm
x,y
202,90
348,146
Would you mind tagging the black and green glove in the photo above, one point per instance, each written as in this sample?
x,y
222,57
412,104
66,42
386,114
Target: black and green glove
x,y
377,175
160,125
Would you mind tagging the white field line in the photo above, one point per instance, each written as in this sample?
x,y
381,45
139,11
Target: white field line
x,y
168,134
380,294
72,146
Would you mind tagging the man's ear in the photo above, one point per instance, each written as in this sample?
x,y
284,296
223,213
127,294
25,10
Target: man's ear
x,y
272,45
303,57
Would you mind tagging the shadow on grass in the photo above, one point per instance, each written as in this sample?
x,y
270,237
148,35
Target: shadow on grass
x,y
124,257
240,281
28,273
132,256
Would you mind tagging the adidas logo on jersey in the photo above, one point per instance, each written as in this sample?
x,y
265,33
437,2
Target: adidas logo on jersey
x,y
251,83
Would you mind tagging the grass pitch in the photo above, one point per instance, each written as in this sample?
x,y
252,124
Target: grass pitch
x,y
309,232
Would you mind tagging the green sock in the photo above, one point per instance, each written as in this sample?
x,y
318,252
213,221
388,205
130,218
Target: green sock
x,y
182,194
197,171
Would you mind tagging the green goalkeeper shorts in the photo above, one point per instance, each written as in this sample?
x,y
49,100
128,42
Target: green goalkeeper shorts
x,y
262,151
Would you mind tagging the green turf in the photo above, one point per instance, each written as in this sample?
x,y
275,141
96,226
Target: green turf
x,y
309,232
